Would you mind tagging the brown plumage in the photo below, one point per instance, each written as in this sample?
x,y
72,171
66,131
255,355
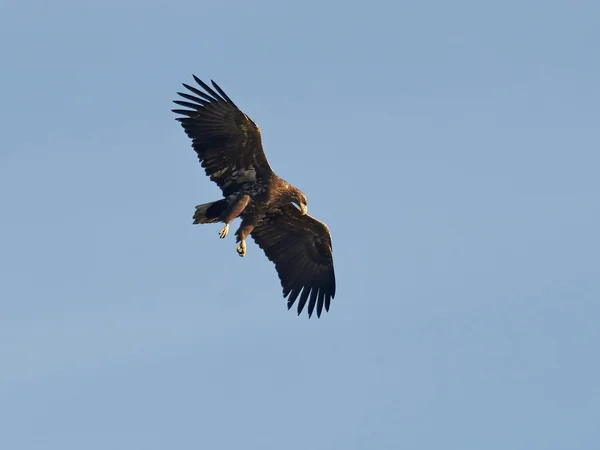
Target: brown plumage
x,y
229,146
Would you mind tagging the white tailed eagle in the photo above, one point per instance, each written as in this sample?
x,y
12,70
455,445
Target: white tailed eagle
x,y
229,147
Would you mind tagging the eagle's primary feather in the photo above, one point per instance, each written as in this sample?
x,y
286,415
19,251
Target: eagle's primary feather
x,y
229,146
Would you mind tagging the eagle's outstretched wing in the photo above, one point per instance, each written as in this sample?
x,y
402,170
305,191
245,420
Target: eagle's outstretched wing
x,y
300,246
227,141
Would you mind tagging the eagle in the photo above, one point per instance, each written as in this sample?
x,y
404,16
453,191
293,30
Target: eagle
x,y
272,211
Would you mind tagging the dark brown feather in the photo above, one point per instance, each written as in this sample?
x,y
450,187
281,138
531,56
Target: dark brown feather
x,y
225,139
300,247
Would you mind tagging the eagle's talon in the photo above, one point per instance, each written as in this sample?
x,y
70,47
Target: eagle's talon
x,y
242,248
224,232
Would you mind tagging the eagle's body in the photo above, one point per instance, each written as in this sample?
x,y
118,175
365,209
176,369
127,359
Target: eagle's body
x,y
229,147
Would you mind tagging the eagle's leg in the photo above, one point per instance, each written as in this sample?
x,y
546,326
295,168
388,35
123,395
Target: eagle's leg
x,y
232,212
242,233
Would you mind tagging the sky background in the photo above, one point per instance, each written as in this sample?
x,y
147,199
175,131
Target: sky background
x,y
453,148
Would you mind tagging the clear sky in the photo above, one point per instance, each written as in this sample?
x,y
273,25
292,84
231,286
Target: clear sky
x,y
453,148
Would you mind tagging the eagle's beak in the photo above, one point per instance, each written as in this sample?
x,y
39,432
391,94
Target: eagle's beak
x,y
304,208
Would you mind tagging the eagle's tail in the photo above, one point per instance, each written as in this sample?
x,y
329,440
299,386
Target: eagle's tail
x,y
209,212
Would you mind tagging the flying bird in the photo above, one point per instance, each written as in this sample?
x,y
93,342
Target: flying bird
x,y
272,211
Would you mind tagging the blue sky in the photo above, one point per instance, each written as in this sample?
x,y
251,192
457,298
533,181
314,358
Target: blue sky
x,y
451,147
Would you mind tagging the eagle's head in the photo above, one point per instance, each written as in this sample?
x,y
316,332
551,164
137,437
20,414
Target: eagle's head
x,y
298,198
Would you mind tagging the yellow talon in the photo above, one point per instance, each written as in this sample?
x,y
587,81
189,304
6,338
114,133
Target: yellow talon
x,y
242,248
224,231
